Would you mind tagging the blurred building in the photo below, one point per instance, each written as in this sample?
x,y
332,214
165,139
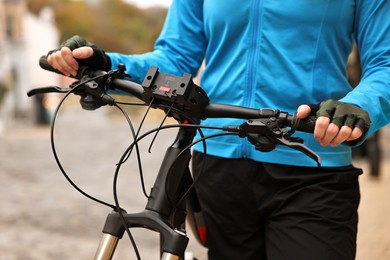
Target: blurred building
x,y
24,37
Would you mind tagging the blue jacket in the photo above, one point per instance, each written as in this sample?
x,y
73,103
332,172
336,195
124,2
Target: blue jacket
x,y
276,54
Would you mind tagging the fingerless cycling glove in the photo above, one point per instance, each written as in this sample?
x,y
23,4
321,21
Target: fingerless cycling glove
x,y
99,60
341,113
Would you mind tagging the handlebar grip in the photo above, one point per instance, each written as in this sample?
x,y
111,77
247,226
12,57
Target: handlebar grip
x,y
82,70
44,64
304,125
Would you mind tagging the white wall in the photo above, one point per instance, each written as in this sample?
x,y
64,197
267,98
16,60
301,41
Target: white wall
x,y
39,36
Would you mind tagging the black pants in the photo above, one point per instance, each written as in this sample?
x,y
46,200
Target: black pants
x,y
262,211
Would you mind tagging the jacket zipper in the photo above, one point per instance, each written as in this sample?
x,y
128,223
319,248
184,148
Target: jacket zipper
x,y
251,64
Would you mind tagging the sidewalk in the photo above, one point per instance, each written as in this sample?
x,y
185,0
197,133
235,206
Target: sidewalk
x,y
374,224
44,218
374,216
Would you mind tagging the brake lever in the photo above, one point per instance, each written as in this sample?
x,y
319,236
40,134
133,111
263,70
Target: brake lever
x,y
92,96
267,133
48,89
297,144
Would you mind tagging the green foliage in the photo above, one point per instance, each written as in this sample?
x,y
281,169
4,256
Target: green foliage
x,y
110,24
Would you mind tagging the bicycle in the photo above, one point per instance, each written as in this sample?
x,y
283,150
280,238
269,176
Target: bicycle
x,y
173,199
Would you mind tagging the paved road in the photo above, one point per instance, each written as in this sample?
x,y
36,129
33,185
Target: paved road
x,y
43,217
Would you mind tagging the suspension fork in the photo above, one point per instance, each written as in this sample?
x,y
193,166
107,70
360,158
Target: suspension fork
x,y
161,214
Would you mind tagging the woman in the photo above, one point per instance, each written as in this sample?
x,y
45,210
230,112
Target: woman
x,y
278,54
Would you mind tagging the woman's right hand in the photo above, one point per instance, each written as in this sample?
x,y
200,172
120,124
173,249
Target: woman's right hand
x,y
65,61
78,51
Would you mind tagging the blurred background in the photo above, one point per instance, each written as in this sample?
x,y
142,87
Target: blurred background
x,y
30,28
42,217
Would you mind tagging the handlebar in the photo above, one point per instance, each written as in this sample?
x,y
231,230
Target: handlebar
x,y
163,90
209,110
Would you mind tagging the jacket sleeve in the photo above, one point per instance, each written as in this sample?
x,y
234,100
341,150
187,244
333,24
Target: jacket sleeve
x,y
180,47
372,30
